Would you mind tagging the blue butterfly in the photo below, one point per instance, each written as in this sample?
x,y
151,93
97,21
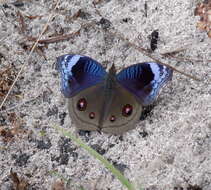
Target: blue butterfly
x,y
107,96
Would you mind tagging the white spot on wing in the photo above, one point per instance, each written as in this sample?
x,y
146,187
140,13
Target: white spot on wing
x,y
161,76
156,71
71,62
66,70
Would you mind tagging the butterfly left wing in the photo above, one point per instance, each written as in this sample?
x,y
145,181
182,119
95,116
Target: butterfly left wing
x,y
145,80
78,73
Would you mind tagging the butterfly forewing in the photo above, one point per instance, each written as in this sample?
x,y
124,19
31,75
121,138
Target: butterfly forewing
x,y
78,73
145,80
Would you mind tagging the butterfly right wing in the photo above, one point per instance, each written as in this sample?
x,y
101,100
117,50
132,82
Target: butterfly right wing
x,y
145,80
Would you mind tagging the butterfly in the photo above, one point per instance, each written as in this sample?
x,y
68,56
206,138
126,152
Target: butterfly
x,y
110,102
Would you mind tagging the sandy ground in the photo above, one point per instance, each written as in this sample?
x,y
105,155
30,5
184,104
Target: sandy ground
x,y
170,149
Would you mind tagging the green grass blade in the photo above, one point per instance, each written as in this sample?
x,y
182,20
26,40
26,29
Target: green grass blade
x,y
92,152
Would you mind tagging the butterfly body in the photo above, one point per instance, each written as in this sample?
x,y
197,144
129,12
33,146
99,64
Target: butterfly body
x,y
108,102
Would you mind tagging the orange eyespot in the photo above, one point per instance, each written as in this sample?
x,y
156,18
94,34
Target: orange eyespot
x,y
127,110
82,104
112,118
91,115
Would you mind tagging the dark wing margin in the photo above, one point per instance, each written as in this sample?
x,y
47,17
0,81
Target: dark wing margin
x,y
78,72
145,80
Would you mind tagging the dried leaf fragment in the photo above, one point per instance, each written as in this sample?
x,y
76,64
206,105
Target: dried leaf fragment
x,y
18,183
7,76
204,11
58,185
8,132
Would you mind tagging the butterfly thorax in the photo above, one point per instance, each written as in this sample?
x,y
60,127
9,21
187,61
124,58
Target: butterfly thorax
x,y
110,84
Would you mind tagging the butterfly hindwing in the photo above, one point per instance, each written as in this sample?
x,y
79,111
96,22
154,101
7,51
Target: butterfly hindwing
x,y
88,117
123,113
78,73
145,80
